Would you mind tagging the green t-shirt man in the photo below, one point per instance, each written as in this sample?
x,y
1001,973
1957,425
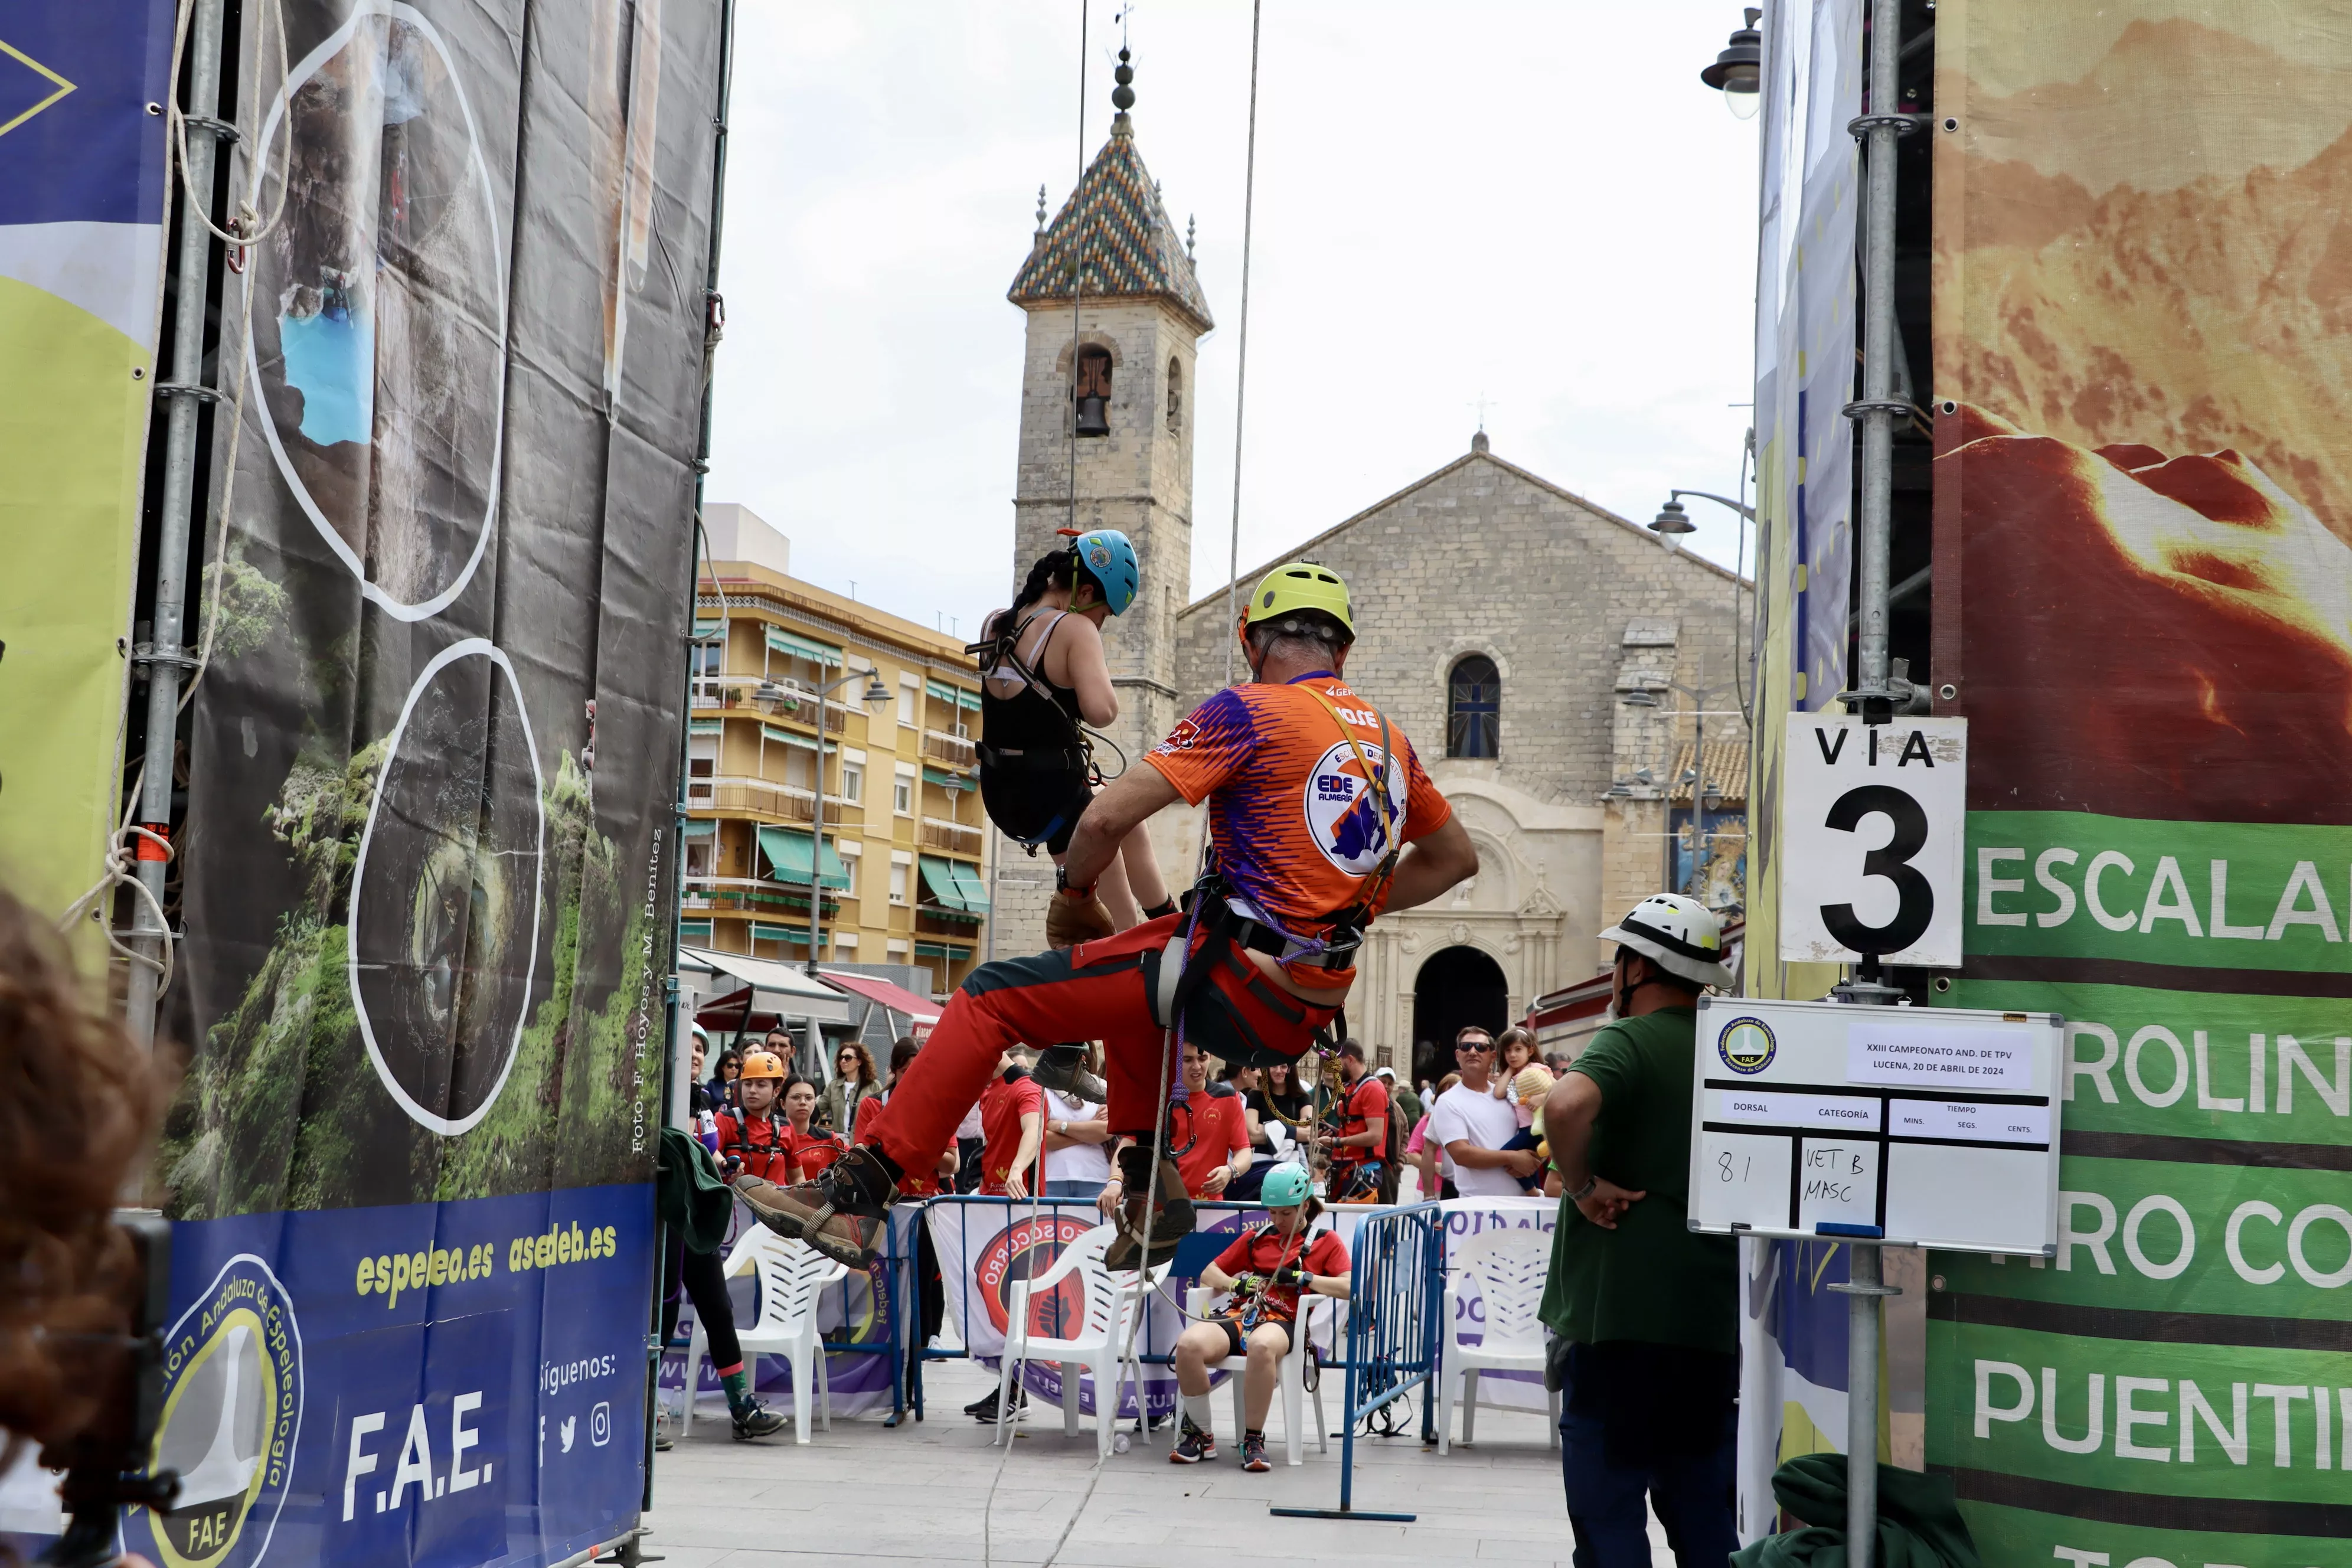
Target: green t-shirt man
x,y
1651,1278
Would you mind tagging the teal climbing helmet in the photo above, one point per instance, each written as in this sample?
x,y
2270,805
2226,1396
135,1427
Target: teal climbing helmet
x,y
1109,560
1284,1186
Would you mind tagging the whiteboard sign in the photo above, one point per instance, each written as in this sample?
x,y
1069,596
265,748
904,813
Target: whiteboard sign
x,y
1917,1126
1871,830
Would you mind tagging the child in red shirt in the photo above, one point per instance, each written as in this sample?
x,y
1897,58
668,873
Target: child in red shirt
x,y
1267,1266
813,1148
1013,1128
752,1137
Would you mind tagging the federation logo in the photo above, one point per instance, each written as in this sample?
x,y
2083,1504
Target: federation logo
x,y
1745,1045
1098,554
1181,738
1343,812
1024,1251
232,1416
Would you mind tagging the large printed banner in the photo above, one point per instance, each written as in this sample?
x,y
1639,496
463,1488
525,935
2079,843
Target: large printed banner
x,y
1804,378
427,851
2144,596
82,242
983,1248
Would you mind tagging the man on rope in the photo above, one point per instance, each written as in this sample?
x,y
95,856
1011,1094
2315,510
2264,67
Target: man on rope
x,y
1314,798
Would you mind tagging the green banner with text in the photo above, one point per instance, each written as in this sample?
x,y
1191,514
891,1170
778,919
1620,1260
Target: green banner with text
x,y
2143,605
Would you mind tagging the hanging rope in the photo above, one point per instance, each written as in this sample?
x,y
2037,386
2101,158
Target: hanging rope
x,y
1240,372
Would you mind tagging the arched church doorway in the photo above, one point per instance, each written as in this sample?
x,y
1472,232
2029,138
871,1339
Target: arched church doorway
x,y
1456,986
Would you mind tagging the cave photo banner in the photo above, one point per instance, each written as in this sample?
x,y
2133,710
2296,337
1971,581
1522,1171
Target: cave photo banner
x,y
428,842
2143,597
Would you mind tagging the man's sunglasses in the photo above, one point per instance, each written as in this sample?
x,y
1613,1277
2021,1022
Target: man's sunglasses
x,y
1474,1045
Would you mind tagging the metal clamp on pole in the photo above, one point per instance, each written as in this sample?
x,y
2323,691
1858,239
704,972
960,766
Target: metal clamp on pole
x,y
200,392
219,128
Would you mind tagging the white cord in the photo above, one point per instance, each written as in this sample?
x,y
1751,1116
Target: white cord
x,y
248,229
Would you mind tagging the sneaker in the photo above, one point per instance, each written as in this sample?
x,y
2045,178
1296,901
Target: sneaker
x,y
1171,1222
1063,1069
1254,1452
1192,1446
841,1213
756,1420
663,1441
984,1410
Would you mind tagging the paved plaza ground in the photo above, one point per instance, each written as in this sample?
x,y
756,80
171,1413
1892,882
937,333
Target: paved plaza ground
x,y
879,1499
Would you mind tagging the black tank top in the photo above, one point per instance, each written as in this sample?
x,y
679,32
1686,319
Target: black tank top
x,y
1038,715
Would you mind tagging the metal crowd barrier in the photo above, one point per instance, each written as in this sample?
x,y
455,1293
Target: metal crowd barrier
x,y
1393,1334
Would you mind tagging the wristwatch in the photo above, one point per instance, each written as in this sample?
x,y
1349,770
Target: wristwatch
x,y
1061,885
1584,1192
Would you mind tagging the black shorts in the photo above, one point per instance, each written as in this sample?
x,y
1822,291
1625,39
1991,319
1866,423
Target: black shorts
x,y
1237,1344
1035,807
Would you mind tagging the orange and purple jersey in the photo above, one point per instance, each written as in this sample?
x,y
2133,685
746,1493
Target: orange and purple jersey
x,y
1297,829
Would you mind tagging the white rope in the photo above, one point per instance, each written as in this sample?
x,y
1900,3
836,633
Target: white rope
x,y
248,227
121,860
1241,370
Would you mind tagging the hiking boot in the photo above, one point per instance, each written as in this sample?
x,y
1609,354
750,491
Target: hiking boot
x,y
1170,1221
1063,1069
841,1213
1192,1446
984,1410
1254,1452
753,1419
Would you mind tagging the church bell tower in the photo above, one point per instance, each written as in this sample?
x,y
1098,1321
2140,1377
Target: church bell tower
x,y
1107,409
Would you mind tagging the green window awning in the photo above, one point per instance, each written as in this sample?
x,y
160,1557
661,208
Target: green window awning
x,y
694,930
944,779
707,629
705,726
940,877
802,647
966,697
937,950
940,691
969,883
699,830
762,932
787,737
789,855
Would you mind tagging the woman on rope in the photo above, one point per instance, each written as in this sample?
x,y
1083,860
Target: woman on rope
x,y
1268,1268
1042,673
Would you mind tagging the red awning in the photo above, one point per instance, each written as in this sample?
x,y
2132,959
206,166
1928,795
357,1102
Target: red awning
x,y
874,988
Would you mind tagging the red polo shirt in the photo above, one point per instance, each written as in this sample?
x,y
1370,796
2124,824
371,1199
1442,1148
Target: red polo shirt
x,y
1219,1128
1262,1249
1365,1109
764,1144
1008,1096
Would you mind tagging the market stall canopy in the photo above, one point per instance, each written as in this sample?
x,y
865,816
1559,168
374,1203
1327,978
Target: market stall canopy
x,y
775,987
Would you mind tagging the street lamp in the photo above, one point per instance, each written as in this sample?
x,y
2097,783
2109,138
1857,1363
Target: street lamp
x,y
1738,71
877,698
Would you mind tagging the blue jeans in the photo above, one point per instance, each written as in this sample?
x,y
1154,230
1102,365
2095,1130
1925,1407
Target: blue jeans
x,y
1074,1189
1691,1493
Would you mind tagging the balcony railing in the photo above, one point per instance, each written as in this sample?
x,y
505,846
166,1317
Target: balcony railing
x,y
769,699
753,798
745,895
953,837
952,751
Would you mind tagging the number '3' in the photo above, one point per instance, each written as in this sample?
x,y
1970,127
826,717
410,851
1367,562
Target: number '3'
x,y
1891,860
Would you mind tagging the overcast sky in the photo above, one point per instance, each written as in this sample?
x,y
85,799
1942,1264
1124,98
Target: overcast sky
x,y
1537,204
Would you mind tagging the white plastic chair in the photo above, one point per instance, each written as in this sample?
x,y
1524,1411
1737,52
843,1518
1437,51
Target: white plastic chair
x,y
1290,1385
1508,1267
1097,1341
793,1277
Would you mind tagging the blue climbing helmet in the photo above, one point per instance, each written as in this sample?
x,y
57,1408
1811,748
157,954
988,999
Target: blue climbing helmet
x,y
1108,558
1284,1186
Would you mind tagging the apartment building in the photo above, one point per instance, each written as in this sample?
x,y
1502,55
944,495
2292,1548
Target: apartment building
x,y
879,808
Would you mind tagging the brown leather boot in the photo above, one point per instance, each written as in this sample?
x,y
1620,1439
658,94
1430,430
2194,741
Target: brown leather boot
x,y
1171,1218
841,1213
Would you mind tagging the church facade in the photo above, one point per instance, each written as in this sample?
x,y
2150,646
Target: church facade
x,y
1554,664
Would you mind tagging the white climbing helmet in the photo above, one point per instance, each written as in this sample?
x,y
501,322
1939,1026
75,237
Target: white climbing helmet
x,y
1681,933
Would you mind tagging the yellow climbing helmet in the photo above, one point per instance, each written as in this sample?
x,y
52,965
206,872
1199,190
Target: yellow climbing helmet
x,y
1300,585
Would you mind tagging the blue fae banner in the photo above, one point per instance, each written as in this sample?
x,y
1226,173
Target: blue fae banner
x,y
442,1384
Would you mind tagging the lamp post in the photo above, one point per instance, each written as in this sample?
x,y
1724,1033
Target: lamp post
x,y
876,698
1738,71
